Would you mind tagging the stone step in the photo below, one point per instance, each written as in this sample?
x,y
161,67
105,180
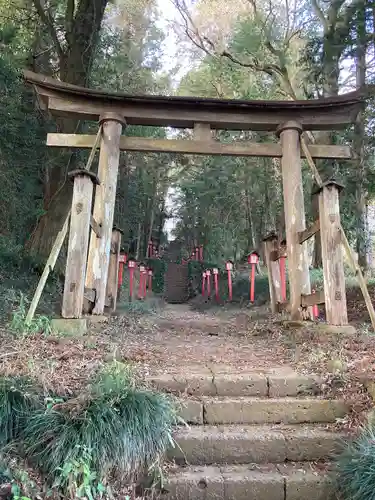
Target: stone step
x,y
268,482
275,384
205,445
246,410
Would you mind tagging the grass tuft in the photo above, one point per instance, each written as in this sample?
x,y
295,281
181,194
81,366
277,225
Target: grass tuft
x,y
17,400
39,324
117,426
355,467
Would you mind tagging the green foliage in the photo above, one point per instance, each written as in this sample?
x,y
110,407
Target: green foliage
x,y
18,399
117,426
241,288
159,268
139,307
77,477
14,473
19,275
355,467
19,325
22,154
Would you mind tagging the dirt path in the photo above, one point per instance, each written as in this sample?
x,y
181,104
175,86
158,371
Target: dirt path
x,y
180,339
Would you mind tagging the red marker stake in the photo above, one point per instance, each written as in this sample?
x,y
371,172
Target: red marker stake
x,y
120,273
315,309
216,282
144,284
252,288
283,278
131,281
140,288
230,286
204,284
208,274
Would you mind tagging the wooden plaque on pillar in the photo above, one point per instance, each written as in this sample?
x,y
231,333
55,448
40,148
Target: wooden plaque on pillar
x,y
105,196
112,283
332,254
78,243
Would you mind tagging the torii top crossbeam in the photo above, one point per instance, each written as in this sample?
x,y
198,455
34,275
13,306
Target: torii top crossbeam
x,y
63,99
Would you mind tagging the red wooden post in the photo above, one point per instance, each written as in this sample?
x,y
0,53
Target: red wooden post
x,y
283,277
203,283
201,253
131,266
315,310
215,272
144,283
141,281
252,259
208,274
229,267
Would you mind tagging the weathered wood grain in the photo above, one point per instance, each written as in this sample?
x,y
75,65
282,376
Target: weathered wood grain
x,y
198,146
294,208
98,259
74,287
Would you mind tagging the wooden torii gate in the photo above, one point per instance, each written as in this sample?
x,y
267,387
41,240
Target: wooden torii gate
x,y
88,259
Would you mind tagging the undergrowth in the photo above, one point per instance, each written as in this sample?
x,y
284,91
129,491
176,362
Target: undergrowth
x,y
355,467
18,399
19,325
19,274
115,428
139,307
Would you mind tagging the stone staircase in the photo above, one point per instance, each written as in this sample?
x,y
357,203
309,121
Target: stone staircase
x,y
252,436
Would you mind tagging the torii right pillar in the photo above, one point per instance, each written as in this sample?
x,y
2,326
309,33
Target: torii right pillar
x,y
295,222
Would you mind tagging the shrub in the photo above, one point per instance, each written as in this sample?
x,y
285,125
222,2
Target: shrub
x,y
39,324
355,467
116,427
140,307
158,267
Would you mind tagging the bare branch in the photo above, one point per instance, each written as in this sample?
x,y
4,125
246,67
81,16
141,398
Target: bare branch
x,y
287,31
69,18
319,13
46,18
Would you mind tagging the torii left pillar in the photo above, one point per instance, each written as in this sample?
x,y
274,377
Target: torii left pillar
x,y
104,206
294,208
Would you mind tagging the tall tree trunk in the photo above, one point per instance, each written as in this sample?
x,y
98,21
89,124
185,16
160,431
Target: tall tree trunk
x,y
359,140
82,33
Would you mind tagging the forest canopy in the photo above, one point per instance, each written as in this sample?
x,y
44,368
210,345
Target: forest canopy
x,y
245,49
